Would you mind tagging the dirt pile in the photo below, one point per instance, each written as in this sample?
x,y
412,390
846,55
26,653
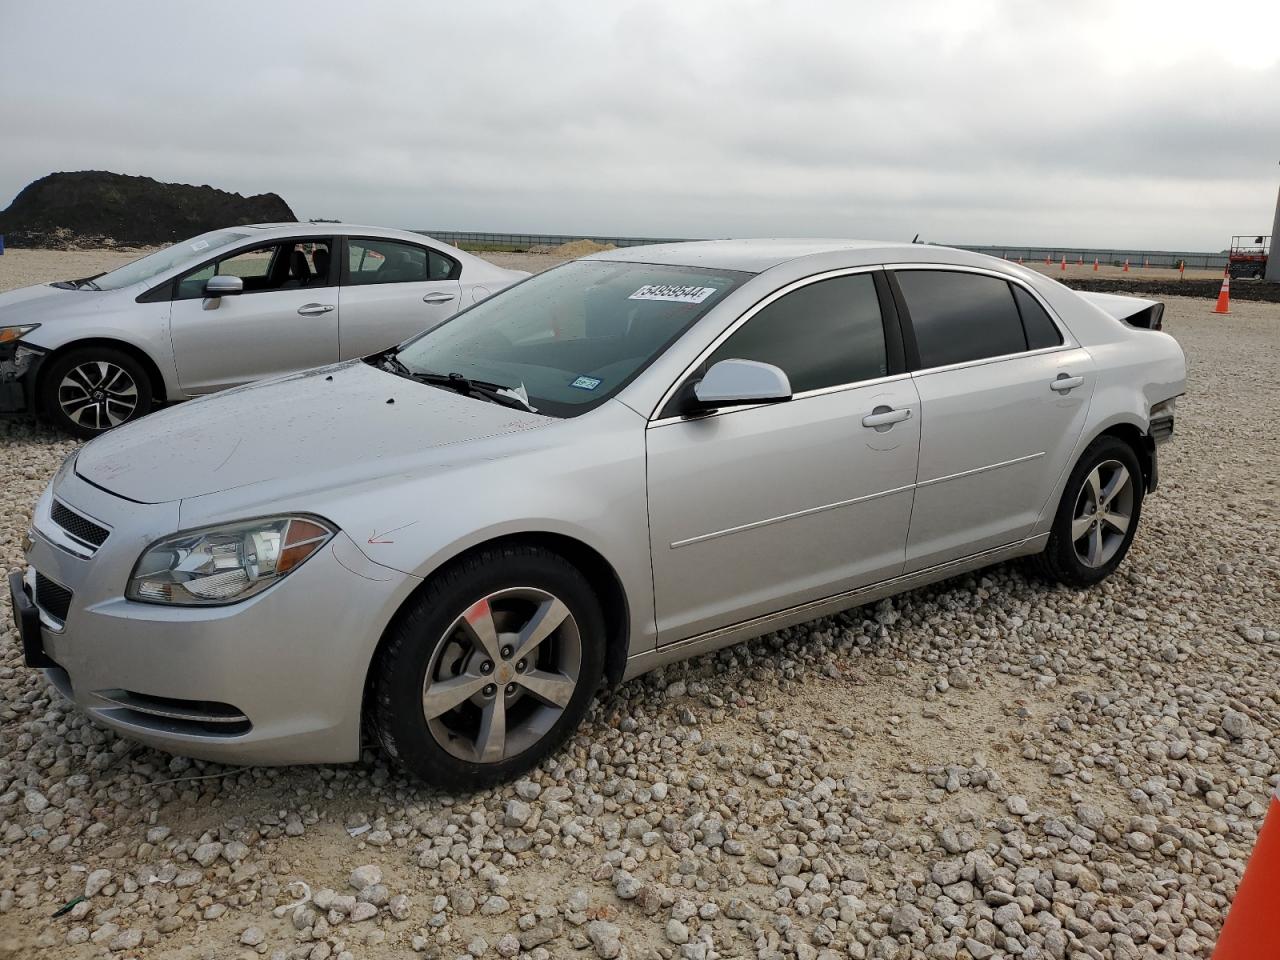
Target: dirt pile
x,y
67,210
574,249
1156,289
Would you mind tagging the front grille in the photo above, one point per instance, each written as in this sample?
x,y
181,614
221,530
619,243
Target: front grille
x,y
77,526
53,598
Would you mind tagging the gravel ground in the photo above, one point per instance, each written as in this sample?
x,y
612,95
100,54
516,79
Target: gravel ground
x,y
989,767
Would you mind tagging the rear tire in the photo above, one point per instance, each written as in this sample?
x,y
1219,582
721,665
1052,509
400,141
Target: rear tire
x,y
490,669
90,390
1102,496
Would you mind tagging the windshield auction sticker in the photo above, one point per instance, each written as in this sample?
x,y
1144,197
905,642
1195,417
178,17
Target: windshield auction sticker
x,y
672,292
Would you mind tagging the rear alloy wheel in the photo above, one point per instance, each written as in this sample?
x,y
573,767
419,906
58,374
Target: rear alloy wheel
x,y
89,391
1097,516
490,668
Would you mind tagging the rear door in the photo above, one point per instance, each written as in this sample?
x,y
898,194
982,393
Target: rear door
x,y
756,509
1003,393
392,290
286,319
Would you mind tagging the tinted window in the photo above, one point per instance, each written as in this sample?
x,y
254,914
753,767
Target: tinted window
x,y
386,261
1036,324
960,316
823,335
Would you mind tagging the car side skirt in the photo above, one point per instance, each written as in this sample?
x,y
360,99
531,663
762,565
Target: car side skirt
x,y
758,626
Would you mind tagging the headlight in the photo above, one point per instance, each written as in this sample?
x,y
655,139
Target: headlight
x,y
10,334
225,564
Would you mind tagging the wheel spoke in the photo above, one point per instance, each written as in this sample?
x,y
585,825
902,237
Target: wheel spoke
x,y
478,621
1118,480
441,696
1117,521
1080,526
80,377
491,741
1095,545
550,614
553,688
1095,485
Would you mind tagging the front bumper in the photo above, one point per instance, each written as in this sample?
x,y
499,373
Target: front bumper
x,y
19,366
277,679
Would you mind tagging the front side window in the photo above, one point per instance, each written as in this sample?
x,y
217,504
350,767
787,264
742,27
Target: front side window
x,y
574,335
272,266
386,261
825,334
959,317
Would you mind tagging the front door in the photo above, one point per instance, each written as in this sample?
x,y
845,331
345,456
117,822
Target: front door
x,y
286,319
1004,395
760,508
391,291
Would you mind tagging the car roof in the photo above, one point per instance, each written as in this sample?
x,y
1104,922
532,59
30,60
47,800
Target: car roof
x,y
324,229
759,255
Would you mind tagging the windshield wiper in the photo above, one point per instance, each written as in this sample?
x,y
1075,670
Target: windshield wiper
x,y
495,392
389,362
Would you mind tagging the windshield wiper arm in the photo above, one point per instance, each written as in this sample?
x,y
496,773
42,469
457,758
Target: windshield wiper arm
x,y
495,392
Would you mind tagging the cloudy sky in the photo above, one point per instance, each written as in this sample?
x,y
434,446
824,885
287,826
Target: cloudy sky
x,y
1076,123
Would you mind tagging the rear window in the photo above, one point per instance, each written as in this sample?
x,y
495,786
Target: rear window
x,y
959,317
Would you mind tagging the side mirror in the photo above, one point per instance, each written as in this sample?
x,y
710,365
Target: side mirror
x,y
736,383
223,285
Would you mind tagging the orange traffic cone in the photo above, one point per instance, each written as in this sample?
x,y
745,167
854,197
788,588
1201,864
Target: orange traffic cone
x,y
1046,259
1182,269
1095,264
1064,261
1252,929
1126,267
1081,263
1145,264
1224,295
1019,261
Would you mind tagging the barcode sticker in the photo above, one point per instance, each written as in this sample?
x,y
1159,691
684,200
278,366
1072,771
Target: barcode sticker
x,y
672,292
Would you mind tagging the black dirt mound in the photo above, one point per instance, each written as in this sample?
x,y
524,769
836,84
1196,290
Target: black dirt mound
x,y
1155,289
96,207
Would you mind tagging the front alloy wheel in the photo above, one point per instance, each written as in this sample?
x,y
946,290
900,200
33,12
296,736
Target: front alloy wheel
x,y
502,675
489,668
93,389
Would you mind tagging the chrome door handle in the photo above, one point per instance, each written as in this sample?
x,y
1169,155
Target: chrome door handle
x,y
314,309
1066,382
885,417
437,298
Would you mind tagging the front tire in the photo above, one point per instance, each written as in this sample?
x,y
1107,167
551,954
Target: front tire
x,y
1097,516
89,390
492,666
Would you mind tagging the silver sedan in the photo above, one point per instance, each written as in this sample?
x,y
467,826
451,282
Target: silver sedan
x,y
222,309
624,461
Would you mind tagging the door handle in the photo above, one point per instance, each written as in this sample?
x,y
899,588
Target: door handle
x,y
314,309
437,298
1066,382
885,417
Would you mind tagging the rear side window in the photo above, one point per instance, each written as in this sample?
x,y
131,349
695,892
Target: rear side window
x,y
386,261
1036,324
958,317
826,334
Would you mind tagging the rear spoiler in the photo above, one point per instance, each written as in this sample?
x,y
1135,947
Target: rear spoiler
x,y
1134,311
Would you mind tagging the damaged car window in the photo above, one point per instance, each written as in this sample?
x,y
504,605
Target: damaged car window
x,y
571,337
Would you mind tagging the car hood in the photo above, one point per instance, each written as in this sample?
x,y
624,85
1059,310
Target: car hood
x,y
38,303
349,420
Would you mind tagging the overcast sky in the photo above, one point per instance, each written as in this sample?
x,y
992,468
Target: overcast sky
x,y
1074,123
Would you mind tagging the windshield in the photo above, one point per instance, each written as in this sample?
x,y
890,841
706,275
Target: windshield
x,y
572,336
154,264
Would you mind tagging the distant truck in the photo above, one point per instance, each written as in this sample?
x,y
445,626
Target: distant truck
x,y
1247,258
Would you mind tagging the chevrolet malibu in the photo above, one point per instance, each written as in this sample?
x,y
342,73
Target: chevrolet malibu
x,y
627,460
222,309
